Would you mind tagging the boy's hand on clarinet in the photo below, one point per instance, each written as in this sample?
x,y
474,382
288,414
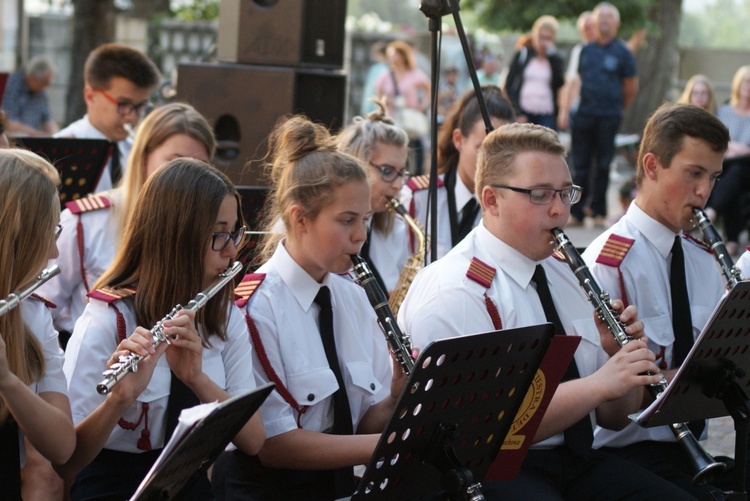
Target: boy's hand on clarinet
x,y
141,342
185,353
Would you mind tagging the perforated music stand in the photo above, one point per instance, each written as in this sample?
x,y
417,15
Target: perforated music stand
x,y
200,448
712,380
456,408
80,162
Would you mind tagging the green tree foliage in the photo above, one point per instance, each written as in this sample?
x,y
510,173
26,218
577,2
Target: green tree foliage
x,y
721,24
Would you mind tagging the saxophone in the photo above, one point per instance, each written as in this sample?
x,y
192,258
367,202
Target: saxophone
x,y
414,263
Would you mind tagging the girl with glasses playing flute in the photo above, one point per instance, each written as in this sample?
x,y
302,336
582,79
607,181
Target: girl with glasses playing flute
x,y
185,230
33,391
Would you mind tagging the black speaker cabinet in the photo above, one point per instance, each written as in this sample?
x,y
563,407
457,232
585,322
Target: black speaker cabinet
x,y
243,103
282,32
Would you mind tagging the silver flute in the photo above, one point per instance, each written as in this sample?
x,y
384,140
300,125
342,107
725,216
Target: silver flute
x,y
15,298
129,363
398,342
731,273
704,468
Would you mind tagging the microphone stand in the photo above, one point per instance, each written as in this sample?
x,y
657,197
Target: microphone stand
x,y
435,10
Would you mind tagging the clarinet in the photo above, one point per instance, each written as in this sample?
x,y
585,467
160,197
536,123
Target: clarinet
x,y
731,273
398,342
704,467
129,363
15,298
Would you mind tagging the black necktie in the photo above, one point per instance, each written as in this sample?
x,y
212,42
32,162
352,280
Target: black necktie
x,y
342,415
466,218
579,436
180,397
10,460
115,171
682,322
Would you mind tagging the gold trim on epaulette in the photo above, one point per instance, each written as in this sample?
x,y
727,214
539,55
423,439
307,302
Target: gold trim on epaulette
x,y
109,295
90,203
614,250
245,289
481,272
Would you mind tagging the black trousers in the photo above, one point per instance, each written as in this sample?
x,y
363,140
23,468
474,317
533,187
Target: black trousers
x,y
115,476
560,474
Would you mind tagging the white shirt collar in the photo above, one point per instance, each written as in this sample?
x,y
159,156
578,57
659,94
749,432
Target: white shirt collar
x,y
303,287
462,193
517,266
661,237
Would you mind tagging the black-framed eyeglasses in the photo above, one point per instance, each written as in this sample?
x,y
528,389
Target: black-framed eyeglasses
x,y
220,239
389,173
544,196
58,230
124,108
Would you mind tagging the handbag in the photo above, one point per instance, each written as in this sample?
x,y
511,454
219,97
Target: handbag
x,y
413,121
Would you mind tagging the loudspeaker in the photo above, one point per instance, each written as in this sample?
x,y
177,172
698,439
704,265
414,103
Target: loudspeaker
x,y
243,103
282,32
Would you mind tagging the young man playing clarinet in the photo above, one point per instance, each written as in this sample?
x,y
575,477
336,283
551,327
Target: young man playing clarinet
x,y
647,259
503,275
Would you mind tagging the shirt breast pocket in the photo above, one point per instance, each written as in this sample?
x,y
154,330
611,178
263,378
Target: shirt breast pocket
x,y
310,388
363,380
588,351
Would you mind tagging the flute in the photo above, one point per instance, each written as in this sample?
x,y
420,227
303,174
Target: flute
x,y
129,363
704,467
15,298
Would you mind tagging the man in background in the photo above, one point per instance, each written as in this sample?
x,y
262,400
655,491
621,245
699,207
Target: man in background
x,y
25,100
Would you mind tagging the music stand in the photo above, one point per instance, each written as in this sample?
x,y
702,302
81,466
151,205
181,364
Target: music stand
x,y
453,414
711,381
253,209
181,463
80,162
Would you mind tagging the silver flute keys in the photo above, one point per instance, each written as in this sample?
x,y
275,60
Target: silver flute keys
x,y
15,298
129,363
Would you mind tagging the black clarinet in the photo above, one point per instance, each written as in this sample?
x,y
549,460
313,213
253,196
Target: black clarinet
x,y
398,343
704,467
731,273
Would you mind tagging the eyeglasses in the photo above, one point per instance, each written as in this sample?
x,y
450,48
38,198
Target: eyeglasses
x,y
544,196
220,239
389,173
58,230
125,108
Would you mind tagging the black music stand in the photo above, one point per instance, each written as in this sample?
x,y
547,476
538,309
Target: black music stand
x,y
712,380
253,209
456,408
181,463
80,162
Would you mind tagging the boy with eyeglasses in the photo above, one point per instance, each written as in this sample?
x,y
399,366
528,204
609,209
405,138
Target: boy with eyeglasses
x,y
503,275
637,260
118,81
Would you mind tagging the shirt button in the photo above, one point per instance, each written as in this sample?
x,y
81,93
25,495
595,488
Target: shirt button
x,y
310,397
372,386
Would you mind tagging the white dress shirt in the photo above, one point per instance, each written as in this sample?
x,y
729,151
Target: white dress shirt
x,y
443,302
389,252
287,321
645,274
416,202
101,235
228,364
743,263
83,129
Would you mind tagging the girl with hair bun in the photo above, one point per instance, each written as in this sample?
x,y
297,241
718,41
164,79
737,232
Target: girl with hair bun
x,y
383,149
313,331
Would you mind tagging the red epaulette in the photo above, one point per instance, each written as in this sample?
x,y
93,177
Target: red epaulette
x,y
245,289
700,243
418,183
109,295
49,304
614,250
89,203
482,273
